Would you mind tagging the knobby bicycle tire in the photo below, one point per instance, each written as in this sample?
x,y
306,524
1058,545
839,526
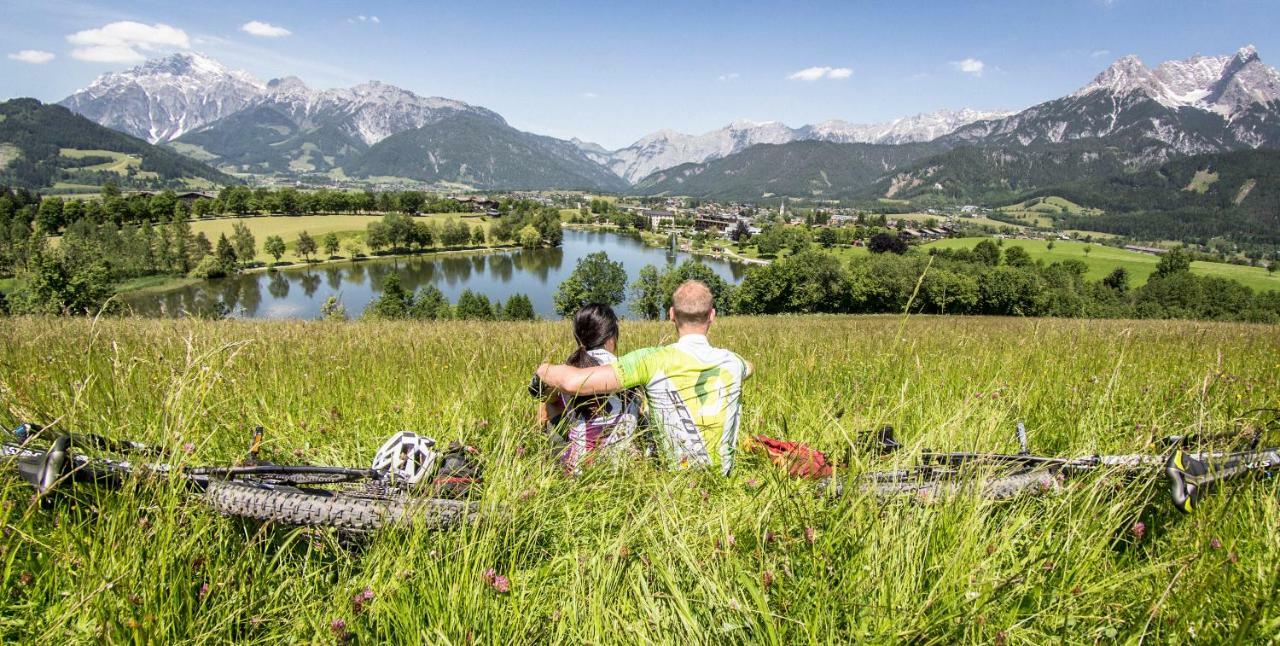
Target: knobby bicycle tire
x,y
328,509
1032,483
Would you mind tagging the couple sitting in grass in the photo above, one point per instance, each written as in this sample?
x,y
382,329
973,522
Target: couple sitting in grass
x,y
693,390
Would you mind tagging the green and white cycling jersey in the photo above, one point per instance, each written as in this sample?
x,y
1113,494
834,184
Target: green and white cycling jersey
x,y
695,396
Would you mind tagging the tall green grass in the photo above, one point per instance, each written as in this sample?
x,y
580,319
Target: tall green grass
x,y
628,553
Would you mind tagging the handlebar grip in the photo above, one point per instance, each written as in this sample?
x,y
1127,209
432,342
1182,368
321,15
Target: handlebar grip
x,y
538,389
1187,479
44,471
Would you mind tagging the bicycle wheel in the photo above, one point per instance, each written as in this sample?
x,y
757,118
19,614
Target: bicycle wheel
x,y
324,508
1002,488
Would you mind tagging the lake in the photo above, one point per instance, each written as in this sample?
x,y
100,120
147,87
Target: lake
x,y
298,292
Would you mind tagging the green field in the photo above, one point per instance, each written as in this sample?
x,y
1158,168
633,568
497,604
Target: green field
x,y
630,553
1040,211
982,220
1102,260
288,227
121,163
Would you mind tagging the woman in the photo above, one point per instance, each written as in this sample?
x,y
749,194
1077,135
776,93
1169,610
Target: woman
x,y
598,422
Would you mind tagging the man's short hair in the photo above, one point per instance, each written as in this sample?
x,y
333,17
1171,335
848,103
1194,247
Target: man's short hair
x,y
692,302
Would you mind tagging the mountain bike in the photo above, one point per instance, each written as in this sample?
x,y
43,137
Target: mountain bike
x,y
997,476
333,496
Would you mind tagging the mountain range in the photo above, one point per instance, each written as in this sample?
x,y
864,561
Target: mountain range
x,y
233,120
1128,118
667,149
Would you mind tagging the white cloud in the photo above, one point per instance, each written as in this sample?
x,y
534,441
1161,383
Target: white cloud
x,y
969,66
727,77
590,95
264,29
821,72
1099,53
124,41
33,56
373,20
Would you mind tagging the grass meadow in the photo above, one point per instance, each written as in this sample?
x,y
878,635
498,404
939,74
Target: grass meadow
x,y
1102,260
318,226
628,553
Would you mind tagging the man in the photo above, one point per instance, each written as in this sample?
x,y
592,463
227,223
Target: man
x,y
694,390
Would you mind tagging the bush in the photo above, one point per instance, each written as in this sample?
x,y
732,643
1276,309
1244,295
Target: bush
x,y
886,243
209,267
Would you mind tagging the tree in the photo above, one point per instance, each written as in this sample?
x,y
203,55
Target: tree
x,y
331,244
1117,280
473,306
741,233
1175,261
236,199
518,308
422,234
646,293
225,254
274,246
771,240
353,248
1049,246
987,253
595,279
49,217
410,201
886,243
429,303
477,236
48,286
1017,257
184,253
394,303
530,238
826,237
1273,266
306,245
243,242
376,236
399,229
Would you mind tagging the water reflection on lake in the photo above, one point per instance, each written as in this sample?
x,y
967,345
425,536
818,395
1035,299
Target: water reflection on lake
x,y
299,292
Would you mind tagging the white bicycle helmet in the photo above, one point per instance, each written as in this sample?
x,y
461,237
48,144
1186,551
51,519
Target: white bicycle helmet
x,y
407,456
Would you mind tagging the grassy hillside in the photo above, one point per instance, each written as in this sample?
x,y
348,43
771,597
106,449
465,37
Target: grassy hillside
x,y
49,146
631,554
1041,211
1102,260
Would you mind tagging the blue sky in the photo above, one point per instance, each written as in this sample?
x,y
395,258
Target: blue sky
x,y
612,72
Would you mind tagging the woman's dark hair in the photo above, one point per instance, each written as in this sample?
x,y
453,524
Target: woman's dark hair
x,y
593,326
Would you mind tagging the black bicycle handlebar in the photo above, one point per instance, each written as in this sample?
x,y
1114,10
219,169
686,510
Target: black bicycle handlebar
x,y
1190,477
